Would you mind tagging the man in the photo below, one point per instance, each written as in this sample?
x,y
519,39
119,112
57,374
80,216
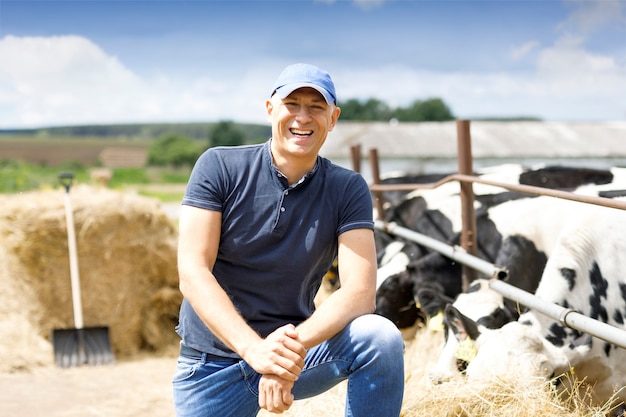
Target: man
x,y
259,227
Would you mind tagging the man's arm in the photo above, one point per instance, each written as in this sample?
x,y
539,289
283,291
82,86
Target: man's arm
x,y
355,297
280,353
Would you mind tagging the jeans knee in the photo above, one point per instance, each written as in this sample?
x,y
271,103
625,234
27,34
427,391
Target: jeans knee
x,y
378,332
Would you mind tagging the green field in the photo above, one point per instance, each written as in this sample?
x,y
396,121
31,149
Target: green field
x,y
31,163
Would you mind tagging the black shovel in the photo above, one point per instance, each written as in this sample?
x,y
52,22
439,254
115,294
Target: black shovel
x,y
78,346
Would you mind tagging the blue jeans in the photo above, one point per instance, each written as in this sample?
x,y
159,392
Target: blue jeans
x,y
368,352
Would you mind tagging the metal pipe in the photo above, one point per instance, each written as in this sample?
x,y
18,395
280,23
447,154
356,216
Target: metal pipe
x,y
566,316
529,189
453,252
378,196
355,156
468,216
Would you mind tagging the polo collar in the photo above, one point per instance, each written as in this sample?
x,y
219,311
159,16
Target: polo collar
x,y
283,177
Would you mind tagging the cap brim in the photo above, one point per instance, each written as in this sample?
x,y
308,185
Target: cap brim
x,y
285,90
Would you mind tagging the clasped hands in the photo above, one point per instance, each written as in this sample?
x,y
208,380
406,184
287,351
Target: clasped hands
x,y
279,358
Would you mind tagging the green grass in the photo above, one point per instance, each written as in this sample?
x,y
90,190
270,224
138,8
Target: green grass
x,y
165,184
16,176
164,196
33,163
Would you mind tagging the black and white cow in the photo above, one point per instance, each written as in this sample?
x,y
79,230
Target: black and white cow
x,y
508,234
484,307
585,272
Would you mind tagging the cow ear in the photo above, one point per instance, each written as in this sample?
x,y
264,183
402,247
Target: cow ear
x,y
431,300
462,326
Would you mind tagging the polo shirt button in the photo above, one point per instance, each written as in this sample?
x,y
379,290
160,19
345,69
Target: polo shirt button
x,y
282,209
286,192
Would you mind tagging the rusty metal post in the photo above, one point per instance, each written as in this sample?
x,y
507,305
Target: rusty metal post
x,y
355,156
378,195
468,216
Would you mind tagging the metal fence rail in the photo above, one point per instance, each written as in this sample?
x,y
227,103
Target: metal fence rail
x,y
565,316
465,256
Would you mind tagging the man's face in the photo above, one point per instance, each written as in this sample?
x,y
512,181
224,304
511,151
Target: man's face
x,y
300,122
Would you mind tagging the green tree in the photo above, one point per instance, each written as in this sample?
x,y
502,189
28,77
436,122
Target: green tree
x,y
226,133
369,110
175,150
431,110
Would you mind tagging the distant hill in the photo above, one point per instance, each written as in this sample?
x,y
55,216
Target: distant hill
x,y
107,145
253,133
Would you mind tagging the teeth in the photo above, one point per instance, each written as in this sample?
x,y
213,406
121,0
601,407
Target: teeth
x,y
301,132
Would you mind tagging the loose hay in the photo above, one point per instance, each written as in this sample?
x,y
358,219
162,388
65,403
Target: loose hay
x,y
458,398
127,261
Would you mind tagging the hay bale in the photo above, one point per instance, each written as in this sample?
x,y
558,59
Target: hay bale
x,y
21,345
127,262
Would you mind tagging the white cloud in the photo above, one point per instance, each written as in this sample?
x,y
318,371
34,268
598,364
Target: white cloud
x,y
521,51
591,91
70,80
589,15
569,56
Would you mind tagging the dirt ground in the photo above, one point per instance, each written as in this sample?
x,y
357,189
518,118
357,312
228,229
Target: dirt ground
x,y
138,388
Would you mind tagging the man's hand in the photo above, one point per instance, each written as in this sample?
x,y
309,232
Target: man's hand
x,y
281,353
279,358
275,394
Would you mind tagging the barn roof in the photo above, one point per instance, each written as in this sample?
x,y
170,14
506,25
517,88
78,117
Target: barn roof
x,y
489,139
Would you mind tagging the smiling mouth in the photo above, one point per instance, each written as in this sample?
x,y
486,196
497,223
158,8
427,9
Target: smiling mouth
x,y
301,132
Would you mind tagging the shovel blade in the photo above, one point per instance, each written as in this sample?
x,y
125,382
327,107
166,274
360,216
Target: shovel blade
x,y
86,346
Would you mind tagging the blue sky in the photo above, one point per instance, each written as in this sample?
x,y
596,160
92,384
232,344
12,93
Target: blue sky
x,y
83,61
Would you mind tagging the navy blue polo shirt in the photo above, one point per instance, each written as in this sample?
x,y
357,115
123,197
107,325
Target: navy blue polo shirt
x,y
277,241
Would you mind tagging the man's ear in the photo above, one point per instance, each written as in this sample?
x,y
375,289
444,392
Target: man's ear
x,y
269,107
334,117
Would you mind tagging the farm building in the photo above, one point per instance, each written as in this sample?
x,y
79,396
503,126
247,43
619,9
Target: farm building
x,y
432,146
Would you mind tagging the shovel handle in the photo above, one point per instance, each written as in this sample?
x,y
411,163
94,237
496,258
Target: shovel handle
x,y
66,178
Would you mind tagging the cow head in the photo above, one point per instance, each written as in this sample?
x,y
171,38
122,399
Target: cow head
x,y
517,349
394,286
394,300
479,306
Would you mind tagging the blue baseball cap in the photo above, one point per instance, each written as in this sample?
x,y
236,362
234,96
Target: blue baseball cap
x,y
305,75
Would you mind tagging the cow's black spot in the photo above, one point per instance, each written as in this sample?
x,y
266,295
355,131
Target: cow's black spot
x,y
598,282
496,319
488,201
612,193
488,239
622,290
565,177
395,301
557,335
523,260
435,267
435,224
570,276
599,285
